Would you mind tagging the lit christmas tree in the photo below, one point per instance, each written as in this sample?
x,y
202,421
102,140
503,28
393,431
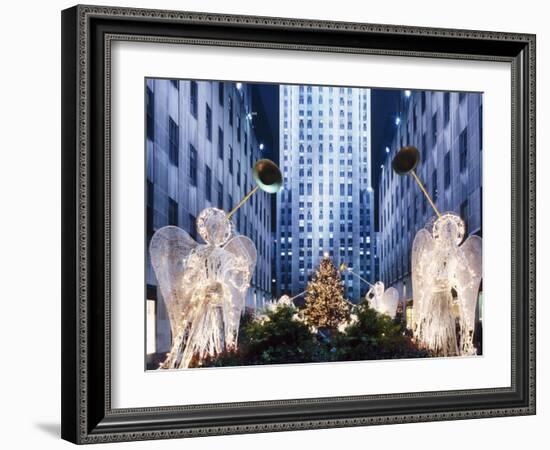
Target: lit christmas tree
x,y
325,305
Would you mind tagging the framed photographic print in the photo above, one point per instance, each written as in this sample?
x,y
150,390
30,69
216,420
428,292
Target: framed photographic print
x,y
259,214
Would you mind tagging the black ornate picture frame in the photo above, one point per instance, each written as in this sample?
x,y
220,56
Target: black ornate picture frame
x,y
87,35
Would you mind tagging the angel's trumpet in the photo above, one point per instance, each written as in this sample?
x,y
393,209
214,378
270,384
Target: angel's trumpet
x,y
268,178
404,162
345,268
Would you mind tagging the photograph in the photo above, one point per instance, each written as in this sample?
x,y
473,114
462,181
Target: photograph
x,y
292,223
289,219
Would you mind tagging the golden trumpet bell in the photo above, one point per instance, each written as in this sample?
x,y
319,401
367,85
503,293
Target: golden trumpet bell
x,y
406,160
268,176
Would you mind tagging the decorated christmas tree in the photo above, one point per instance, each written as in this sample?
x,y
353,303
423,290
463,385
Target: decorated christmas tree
x,y
325,305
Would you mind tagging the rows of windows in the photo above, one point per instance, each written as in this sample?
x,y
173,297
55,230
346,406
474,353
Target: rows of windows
x,y
398,234
335,125
211,187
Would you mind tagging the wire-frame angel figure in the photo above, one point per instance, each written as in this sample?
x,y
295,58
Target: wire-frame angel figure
x,y
382,300
204,285
446,275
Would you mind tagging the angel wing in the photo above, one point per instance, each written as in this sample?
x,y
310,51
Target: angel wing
x,y
389,302
468,278
422,253
371,299
169,250
237,273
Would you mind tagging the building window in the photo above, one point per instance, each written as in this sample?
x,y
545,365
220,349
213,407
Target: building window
x,y
434,129
230,159
434,185
447,169
193,99
172,212
220,93
409,316
231,111
208,123
463,149
220,195
193,165
208,182
151,326
150,99
239,129
193,226
220,143
423,100
239,173
173,142
446,107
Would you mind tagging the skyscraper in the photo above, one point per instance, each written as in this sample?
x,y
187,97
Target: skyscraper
x,y
326,205
446,127
200,149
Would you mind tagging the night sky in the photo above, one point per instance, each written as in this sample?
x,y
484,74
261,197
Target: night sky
x,y
384,103
265,103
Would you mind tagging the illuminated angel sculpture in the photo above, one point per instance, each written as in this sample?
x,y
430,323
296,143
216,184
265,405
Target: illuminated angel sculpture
x,y
384,302
284,300
446,276
203,286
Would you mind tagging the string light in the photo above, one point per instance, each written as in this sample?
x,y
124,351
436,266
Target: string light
x,y
443,268
203,286
325,305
